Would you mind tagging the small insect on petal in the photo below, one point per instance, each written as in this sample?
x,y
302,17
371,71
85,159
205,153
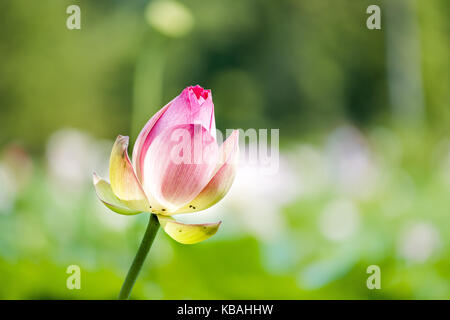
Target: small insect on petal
x,y
221,180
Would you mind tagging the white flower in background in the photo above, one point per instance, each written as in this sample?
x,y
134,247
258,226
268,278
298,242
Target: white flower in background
x,y
72,156
339,221
256,200
418,242
351,163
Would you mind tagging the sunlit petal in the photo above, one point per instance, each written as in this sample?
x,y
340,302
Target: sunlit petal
x,y
143,141
124,182
109,199
193,105
187,233
221,181
178,165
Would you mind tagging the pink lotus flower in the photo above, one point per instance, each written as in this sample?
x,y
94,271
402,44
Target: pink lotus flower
x,y
177,167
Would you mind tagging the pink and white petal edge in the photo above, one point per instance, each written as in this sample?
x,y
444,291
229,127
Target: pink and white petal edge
x,y
124,182
142,143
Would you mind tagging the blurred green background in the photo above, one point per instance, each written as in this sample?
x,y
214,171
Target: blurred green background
x,y
364,173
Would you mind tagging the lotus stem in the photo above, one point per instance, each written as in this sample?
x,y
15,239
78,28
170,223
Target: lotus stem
x,y
136,266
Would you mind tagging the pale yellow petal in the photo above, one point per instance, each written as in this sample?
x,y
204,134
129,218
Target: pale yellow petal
x,y
187,233
124,182
109,199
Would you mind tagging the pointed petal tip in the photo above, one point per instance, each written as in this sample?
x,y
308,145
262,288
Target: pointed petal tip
x,y
123,139
95,178
124,182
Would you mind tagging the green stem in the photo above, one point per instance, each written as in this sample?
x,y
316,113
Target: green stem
x,y
144,248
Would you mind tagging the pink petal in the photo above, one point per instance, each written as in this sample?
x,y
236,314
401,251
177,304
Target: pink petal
x,y
193,105
124,182
142,143
221,181
178,165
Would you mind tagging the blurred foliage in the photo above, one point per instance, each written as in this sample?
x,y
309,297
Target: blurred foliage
x,y
309,68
